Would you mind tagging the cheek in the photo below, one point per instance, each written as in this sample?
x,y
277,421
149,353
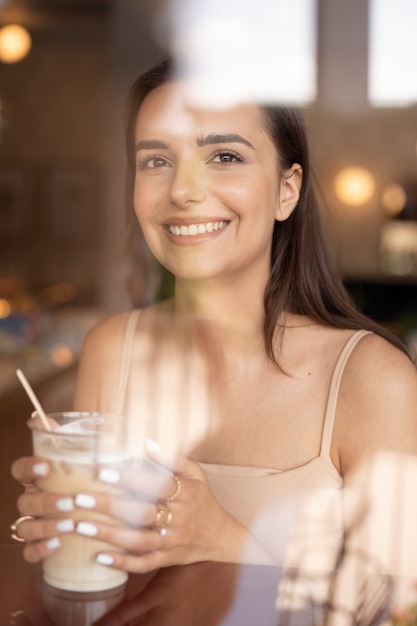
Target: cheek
x,y
238,194
143,202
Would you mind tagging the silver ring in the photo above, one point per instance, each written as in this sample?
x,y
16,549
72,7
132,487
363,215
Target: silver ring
x,y
177,490
14,527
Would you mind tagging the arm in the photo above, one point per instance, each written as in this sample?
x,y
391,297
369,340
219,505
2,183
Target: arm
x,y
377,446
377,405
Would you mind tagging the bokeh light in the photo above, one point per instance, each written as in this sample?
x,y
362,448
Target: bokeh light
x,y
354,186
393,199
15,43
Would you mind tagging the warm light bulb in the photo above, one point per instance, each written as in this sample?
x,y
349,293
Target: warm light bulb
x,y
15,43
393,199
354,186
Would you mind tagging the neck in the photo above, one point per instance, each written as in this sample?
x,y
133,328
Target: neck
x,y
230,317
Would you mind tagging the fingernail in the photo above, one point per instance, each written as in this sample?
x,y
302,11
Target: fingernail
x,y
65,525
40,469
109,476
85,501
85,528
105,559
65,504
152,445
53,543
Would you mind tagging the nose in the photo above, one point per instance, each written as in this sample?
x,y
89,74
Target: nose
x,y
187,184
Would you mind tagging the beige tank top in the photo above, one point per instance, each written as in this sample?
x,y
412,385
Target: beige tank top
x,y
245,491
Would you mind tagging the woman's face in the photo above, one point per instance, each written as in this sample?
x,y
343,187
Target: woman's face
x,y
207,187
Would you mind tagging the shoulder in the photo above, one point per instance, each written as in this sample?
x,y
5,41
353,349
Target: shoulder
x,y
97,377
106,332
375,365
377,403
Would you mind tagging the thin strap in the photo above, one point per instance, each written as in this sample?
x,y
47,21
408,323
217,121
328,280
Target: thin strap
x,y
126,358
334,390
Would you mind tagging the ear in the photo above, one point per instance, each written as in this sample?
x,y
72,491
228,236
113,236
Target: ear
x,y
289,192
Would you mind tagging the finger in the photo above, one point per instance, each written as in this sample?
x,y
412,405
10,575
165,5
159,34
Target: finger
x,y
29,469
40,550
43,503
136,541
151,481
131,511
135,564
44,529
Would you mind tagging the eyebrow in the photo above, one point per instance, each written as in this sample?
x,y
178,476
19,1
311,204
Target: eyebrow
x,y
229,138
151,144
156,144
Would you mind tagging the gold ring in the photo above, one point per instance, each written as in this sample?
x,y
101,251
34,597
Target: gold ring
x,y
177,490
14,526
161,514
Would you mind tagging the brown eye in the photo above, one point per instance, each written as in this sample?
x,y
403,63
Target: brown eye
x,y
152,162
226,157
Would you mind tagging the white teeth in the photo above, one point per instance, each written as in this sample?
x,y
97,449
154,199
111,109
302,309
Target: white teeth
x,y
196,229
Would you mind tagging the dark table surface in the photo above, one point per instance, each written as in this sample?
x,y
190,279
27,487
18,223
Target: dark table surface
x,y
202,594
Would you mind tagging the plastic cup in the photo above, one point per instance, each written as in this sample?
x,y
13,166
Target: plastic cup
x,y
76,447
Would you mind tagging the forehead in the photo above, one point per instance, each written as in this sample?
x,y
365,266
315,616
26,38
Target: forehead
x,y
168,109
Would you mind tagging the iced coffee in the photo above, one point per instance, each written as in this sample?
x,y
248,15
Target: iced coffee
x,y
76,447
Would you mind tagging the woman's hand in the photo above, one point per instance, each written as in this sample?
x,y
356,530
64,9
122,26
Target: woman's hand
x,y
169,517
41,534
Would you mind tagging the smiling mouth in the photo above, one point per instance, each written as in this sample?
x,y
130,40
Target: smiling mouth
x,y
195,229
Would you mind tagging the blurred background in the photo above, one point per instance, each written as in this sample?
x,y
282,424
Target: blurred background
x,y
65,69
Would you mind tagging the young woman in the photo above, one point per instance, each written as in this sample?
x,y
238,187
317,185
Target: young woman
x,y
257,377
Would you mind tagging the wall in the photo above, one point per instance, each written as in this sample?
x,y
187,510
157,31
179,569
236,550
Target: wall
x,y
65,108
54,132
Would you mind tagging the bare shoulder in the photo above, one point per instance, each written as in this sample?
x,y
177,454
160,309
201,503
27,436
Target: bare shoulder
x,y
106,332
377,403
97,376
378,366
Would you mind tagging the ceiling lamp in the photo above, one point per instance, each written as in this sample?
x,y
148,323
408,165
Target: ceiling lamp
x,y
15,43
354,186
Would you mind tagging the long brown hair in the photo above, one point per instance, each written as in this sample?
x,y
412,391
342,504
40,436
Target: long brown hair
x,y
302,279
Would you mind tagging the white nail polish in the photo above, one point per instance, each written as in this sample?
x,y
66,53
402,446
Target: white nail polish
x,y
85,501
53,543
65,504
85,528
152,445
105,559
109,476
40,469
65,525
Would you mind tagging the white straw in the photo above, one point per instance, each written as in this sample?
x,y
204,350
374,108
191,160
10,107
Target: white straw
x,y
33,398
